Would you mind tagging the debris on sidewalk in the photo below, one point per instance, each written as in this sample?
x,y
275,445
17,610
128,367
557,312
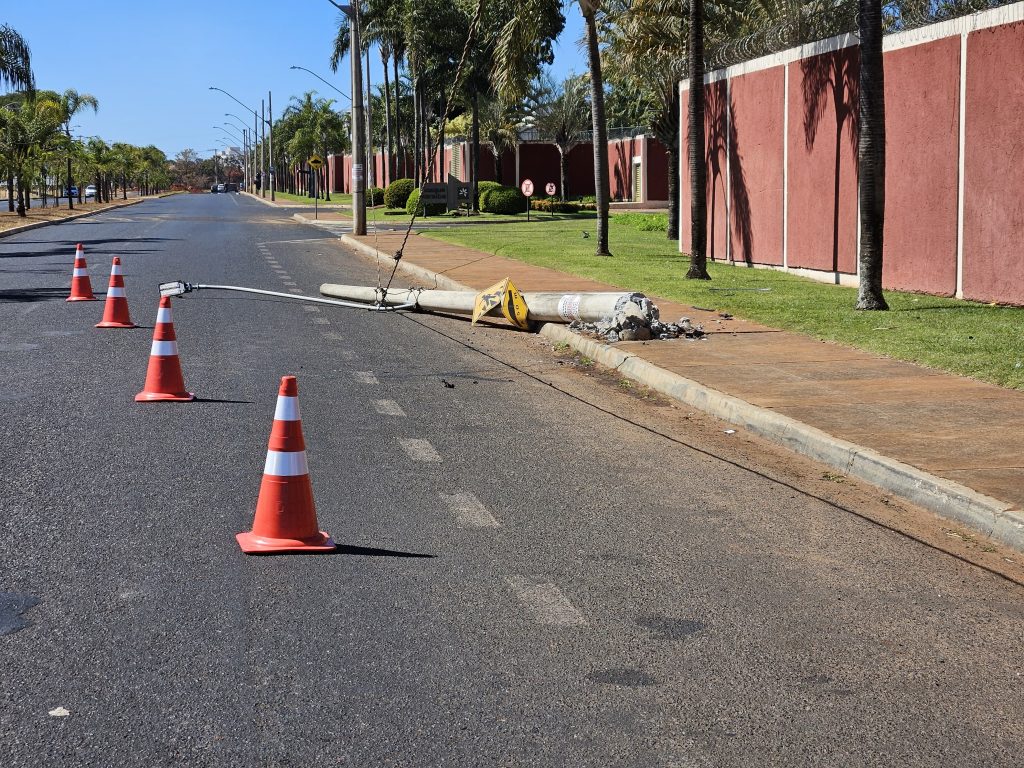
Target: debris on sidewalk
x,y
637,318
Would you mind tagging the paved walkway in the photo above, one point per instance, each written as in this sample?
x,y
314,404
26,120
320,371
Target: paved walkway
x,y
961,431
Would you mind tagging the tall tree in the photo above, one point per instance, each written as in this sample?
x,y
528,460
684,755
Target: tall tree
x,y
871,156
72,102
561,118
600,133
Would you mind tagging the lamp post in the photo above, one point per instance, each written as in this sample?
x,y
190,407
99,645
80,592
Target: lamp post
x,y
256,120
250,150
358,136
216,170
344,95
245,151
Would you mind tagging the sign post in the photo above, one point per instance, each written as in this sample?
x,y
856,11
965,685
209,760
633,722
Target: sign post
x,y
551,189
316,162
527,189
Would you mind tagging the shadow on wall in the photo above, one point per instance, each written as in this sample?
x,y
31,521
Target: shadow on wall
x,y
716,127
831,77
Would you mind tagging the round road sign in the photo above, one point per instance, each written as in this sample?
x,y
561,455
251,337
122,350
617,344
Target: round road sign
x,y
527,187
550,188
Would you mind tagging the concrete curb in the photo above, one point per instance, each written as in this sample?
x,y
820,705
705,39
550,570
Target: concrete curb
x,y
84,214
995,519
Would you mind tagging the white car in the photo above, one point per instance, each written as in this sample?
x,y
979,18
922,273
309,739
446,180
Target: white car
x,y
90,191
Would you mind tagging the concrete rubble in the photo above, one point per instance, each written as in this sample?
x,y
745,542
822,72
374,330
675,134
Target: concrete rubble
x,y
636,318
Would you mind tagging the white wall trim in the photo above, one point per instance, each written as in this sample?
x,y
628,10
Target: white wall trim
x,y
728,171
961,165
994,17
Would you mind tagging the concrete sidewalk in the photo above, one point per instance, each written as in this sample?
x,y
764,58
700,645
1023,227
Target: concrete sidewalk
x,y
950,444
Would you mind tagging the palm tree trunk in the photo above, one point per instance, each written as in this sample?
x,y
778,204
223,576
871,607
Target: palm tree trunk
x,y
563,174
399,144
475,161
389,164
10,192
698,169
602,187
871,156
416,134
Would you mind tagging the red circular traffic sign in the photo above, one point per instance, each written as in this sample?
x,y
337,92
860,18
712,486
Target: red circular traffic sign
x,y
527,187
550,188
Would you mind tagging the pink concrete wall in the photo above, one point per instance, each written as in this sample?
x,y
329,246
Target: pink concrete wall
x,y
922,116
656,168
993,259
822,161
715,138
757,138
620,166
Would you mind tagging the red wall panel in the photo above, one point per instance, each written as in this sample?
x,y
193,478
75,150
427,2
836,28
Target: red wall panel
x,y
993,260
656,168
822,144
757,105
715,138
922,116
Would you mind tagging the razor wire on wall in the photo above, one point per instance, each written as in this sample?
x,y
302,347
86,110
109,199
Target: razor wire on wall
x,y
809,22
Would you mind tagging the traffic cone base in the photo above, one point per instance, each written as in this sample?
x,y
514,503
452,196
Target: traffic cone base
x,y
285,519
81,298
147,397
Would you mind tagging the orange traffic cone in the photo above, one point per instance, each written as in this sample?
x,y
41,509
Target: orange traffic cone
x,y
115,312
81,288
163,378
285,514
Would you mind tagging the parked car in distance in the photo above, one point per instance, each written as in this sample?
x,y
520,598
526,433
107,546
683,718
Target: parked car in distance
x,y
230,187
73,192
90,191
221,188
213,188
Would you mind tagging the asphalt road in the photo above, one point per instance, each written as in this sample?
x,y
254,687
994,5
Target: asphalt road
x,y
525,579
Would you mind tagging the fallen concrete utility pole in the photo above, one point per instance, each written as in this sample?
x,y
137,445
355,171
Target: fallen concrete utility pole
x,y
180,288
543,307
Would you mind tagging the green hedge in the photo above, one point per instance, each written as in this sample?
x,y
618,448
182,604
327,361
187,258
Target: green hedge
x,y
434,209
397,193
503,200
554,205
374,196
483,188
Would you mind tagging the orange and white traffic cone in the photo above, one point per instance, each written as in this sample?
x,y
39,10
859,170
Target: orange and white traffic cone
x,y
115,312
81,287
285,514
163,378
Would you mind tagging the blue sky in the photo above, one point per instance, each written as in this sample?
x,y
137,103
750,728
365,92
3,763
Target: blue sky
x,y
150,64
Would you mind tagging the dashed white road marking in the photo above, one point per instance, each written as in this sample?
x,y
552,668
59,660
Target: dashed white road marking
x,y
546,602
468,510
419,449
365,377
310,308
320,321
294,290
388,407
292,283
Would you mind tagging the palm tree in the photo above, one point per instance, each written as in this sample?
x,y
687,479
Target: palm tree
x,y
29,127
561,118
72,102
871,156
15,60
600,135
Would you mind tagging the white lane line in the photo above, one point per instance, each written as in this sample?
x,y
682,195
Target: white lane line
x,y
419,450
546,602
468,510
310,308
388,407
320,321
365,377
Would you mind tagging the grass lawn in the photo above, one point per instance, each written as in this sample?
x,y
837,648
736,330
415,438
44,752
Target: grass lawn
x,y
337,198
979,340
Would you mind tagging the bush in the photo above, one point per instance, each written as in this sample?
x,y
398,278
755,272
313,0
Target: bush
x,y
374,196
434,209
554,205
483,188
588,199
397,193
503,200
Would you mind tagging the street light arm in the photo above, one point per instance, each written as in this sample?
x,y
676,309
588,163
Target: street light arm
x,y
325,82
254,113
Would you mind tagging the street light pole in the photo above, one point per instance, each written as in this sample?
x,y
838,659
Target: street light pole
x,y
358,128
273,175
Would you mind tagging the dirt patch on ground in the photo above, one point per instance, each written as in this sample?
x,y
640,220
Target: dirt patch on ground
x,y
10,221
